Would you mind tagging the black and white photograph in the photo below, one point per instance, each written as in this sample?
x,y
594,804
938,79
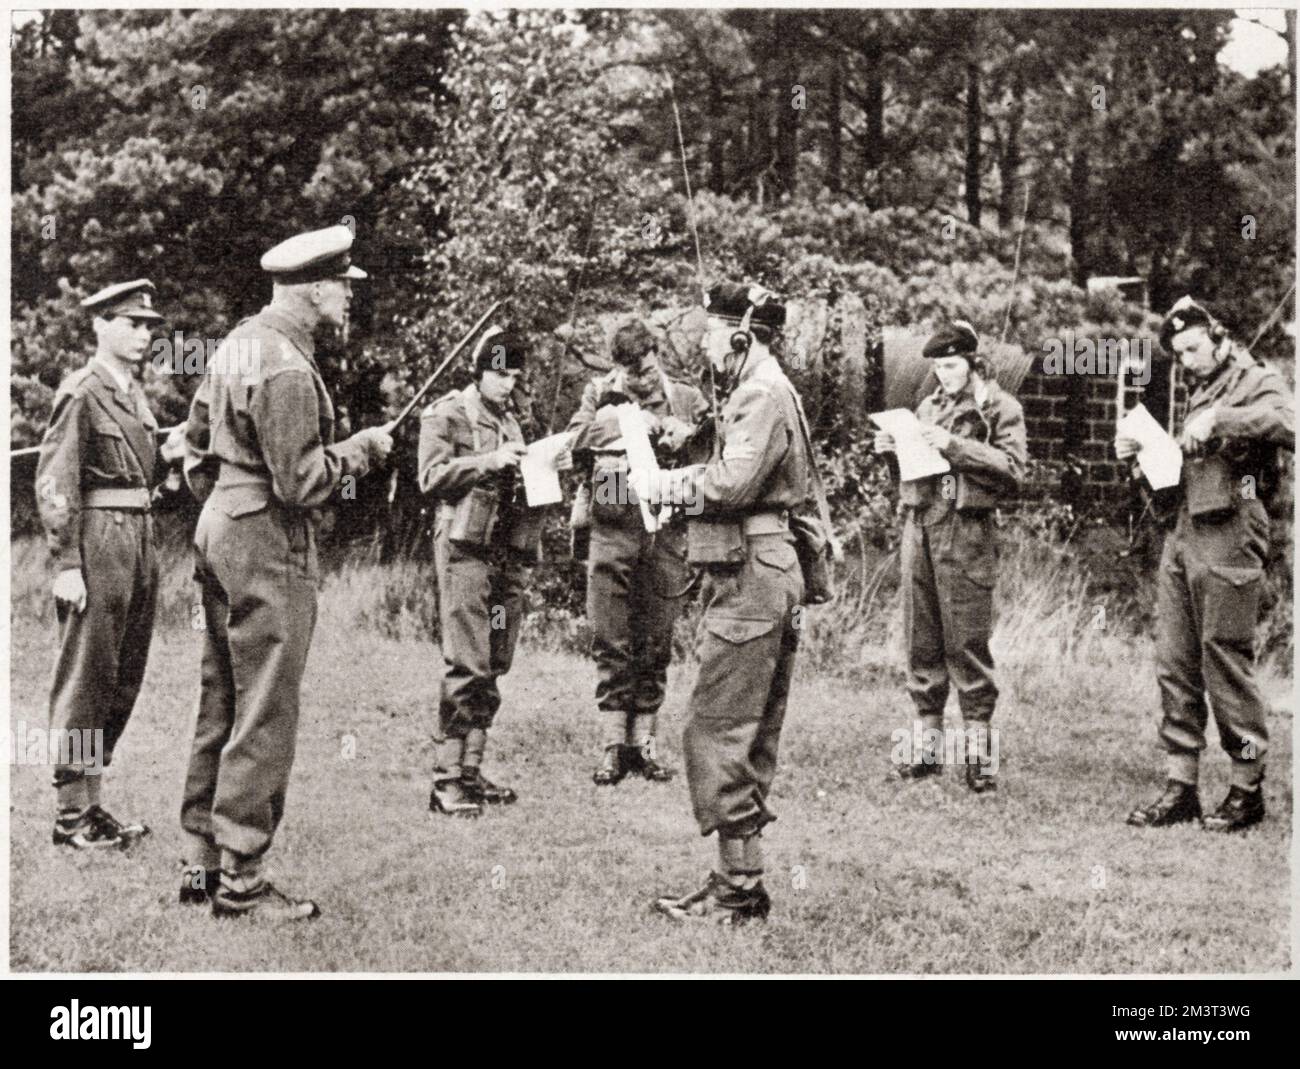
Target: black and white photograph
x,y
554,491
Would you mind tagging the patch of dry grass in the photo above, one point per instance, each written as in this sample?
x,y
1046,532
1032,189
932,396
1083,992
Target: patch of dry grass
x,y
866,876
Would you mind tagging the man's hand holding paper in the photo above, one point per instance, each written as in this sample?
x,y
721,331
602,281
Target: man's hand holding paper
x,y
1158,455
540,467
917,457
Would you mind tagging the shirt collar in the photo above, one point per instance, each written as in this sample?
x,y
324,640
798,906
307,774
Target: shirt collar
x,y
481,406
766,368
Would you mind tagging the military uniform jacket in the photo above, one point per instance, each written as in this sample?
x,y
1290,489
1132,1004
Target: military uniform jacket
x,y
100,437
988,450
456,433
262,423
595,425
763,464
1254,415
595,431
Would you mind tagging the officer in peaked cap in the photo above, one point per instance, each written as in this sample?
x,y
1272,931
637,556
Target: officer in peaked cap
x,y
949,550
93,488
742,501
1211,578
134,300
260,453
311,257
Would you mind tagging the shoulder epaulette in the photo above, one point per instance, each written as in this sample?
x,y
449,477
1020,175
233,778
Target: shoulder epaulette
x,y
73,380
432,406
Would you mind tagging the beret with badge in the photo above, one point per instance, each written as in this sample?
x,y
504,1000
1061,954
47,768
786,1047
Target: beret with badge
x,y
957,338
1184,315
312,257
731,300
131,299
500,349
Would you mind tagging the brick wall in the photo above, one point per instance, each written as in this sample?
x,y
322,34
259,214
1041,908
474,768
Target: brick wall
x,y
1072,417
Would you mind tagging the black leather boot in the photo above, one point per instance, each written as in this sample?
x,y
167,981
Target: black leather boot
x,y
1242,809
1178,804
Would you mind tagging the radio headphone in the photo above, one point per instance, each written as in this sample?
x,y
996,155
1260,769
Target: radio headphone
x,y
742,339
1216,330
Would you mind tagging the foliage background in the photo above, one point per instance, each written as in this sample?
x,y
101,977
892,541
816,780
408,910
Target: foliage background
x,y
531,156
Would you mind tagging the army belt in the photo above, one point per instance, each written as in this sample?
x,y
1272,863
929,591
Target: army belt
x,y
134,498
761,523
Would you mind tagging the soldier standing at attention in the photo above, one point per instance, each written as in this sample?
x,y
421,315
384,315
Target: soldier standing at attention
x,y
949,549
470,447
262,426
754,588
1212,569
636,580
93,491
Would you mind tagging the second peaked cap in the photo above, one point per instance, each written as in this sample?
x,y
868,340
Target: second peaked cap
x,y
310,257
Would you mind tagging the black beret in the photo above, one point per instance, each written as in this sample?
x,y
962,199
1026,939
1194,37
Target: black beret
x,y
1184,314
731,300
499,350
957,338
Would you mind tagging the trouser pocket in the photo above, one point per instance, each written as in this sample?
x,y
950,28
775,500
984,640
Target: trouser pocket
x,y
1231,602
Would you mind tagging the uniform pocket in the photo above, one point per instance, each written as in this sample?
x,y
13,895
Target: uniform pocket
x,y
1232,602
983,574
737,630
781,556
109,446
978,561
237,501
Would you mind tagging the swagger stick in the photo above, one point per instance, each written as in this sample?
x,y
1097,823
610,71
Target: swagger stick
x,y
460,345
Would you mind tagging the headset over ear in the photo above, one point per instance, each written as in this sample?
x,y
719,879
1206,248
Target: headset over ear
x,y
742,339
1189,313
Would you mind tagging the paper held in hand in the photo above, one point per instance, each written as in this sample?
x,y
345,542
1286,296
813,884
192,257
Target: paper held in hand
x,y
640,453
537,466
917,459
1159,456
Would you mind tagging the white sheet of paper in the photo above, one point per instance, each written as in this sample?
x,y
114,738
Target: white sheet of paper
x,y
640,453
1158,456
541,477
916,458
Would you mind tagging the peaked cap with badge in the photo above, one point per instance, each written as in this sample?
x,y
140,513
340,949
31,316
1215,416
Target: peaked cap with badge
x,y
133,299
313,256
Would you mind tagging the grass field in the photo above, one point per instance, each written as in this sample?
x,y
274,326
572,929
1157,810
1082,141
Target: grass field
x,y
866,876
